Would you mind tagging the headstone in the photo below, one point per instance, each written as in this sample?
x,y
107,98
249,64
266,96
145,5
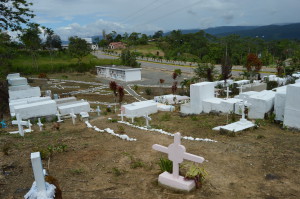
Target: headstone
x,y
48,93
98,110
58,117
38,173
176,153
147,118
40,124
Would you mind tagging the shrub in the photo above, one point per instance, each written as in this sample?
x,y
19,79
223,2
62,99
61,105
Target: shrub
x,y
43,75
165,165
271,85
148,91
121,129
197,174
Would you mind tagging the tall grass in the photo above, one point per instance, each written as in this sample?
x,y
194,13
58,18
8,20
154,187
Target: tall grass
x,y
60,62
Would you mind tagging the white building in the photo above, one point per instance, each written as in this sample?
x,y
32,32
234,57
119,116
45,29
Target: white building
x,y
122,73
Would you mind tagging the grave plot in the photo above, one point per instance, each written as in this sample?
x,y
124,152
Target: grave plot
x,y
91,164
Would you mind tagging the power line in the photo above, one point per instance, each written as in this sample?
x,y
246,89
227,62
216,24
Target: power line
x,y
170,13
131,15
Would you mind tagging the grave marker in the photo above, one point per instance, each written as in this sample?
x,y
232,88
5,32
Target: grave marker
x,y
40,124
147,120
241,88
73,116
20,124
38,172
122,114
176,153
58,117
98,110
227,92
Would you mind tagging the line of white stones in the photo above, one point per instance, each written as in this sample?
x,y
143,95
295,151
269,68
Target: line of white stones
x,y
167,133
110,131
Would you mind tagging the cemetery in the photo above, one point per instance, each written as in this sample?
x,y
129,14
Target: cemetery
x,y
75,130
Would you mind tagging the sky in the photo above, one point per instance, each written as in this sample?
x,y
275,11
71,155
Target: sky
x,y
85,18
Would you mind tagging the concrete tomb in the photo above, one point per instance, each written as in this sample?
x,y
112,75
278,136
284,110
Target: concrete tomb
x,y
176,153
292,106
139,109
29,92
17,81
37,109
77,107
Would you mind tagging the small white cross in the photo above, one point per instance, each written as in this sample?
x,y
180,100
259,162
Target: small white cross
x,y
122,115
227,92
147,120
98,110
73,116
40,124
241,88
29,125
176,153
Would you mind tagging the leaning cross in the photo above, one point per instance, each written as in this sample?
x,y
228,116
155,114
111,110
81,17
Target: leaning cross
x,y
147,120
176,153
38,172
58,117
29,125
40,124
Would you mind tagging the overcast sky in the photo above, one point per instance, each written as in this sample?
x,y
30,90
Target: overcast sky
x,y
89,17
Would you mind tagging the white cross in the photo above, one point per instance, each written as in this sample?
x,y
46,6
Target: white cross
x,y
40,124
20,124
98,110
216,94
73,116
241,88
29,125
227,92
147,120
244,103
38,172
122,115
176,153
58,117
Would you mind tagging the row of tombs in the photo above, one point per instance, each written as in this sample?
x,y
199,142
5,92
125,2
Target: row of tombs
x,y
26,102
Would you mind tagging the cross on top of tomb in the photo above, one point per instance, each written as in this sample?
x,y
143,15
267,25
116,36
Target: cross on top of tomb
x,y
176,153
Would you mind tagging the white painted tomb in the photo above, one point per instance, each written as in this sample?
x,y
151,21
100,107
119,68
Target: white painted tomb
x,y
292,106
139,109
30,100
17,81
122,73
228,105
13,76
176,153
279,103
78,107
65,100
37,109
198,92
40,189
170,99
164,107
30,92
211,104
18,88
240,125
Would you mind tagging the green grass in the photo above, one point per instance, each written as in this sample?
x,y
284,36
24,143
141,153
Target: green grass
x,y
61,62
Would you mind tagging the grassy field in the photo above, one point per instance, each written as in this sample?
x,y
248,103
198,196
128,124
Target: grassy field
x,y
59,62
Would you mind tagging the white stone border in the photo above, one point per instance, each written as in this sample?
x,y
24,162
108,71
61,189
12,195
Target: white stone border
x,y
110,131
167,133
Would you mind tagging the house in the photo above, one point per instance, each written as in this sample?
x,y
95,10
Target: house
x,y
122,73
116,45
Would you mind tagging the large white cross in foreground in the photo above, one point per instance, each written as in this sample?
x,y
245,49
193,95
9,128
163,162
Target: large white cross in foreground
x,y
20,124
176,153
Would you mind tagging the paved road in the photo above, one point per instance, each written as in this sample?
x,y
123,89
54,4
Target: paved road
x,y
185,69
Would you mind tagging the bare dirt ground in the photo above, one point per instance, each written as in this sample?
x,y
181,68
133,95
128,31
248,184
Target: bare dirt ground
x,y
258,163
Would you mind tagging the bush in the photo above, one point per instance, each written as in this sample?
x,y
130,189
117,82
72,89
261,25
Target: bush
x,y
165,165
43,75
148,91
271,85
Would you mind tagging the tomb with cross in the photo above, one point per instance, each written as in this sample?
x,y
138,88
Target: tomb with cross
x,y
73,116
40,124
147,118
176,153
98,110
58,117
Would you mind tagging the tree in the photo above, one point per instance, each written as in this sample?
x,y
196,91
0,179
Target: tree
x,y
129,59
253,64
31,39
226,67
206,71
79,48
14,13
120,93
158,34
53,41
